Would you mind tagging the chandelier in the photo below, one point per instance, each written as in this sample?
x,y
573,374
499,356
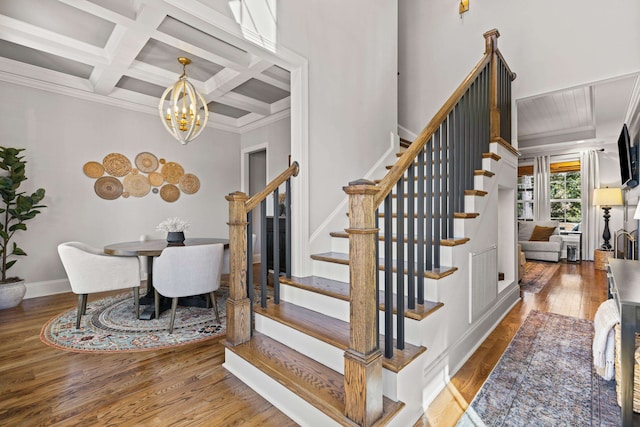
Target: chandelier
x,y
187,112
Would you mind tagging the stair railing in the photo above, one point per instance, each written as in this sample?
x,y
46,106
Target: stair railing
x,y
241,206
437,168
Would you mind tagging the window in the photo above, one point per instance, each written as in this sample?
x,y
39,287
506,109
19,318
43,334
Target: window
x,y
565,193
566,200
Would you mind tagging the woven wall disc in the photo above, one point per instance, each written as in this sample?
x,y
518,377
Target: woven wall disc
x,y
156,179
189,183
108,187
116,164
137,185
172,171
93,169
169,193
146,162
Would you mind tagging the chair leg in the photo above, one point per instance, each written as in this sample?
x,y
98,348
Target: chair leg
x,y
157,303
214,301
82,308
136,298
174,306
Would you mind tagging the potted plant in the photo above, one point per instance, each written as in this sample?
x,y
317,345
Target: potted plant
x,y
16,208
175,228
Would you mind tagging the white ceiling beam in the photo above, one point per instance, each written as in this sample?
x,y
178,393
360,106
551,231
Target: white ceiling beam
x,y
124,45
243,102
11,70
227,80
47,41
274,82
281,105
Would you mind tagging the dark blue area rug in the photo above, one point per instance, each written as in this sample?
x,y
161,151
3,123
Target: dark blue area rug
x,y
546,378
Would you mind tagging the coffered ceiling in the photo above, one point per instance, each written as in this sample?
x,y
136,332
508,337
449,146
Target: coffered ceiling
x,y
125,51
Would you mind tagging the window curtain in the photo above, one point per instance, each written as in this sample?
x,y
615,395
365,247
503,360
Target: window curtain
x,y
590,176
541,178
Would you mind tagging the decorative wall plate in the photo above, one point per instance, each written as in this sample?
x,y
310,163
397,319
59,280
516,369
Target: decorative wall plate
x,y
172,171
169,193
108,187
146,162
93,169
156,179
137,185
116,164
189,183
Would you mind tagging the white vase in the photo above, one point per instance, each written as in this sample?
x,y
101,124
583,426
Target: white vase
x,y
11,294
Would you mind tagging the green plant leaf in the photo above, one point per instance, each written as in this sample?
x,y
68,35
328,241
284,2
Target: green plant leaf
x,y
10,264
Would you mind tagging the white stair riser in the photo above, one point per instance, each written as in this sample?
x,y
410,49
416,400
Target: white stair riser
x,y
342,245
324,304
330,356
341,272
296,408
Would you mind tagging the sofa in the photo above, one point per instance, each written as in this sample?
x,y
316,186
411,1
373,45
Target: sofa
x,y
540,240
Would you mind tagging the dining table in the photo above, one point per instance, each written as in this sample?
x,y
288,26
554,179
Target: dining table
x,y
151,249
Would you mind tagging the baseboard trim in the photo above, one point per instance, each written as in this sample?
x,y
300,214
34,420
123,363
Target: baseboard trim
x,y
45,288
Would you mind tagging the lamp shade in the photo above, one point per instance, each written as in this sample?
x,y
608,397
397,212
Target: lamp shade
x,y
607,197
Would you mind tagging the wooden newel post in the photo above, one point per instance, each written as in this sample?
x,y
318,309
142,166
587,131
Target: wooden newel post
x,y
363,358
238,304
491,46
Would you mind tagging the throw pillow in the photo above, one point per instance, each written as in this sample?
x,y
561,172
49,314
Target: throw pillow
x,y
541,234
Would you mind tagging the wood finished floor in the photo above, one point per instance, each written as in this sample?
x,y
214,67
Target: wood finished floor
x,y
575,290
40,385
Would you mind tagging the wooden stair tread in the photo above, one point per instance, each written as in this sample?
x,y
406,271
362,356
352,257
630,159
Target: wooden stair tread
x,y
333,331
343,258
320,285
422,311
479,193
340,290
480,172
322,387
454,241
494,156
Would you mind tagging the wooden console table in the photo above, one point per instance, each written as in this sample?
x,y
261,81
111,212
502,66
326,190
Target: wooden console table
x,y
624,286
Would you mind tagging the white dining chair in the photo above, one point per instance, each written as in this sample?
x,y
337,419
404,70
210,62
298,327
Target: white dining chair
x,y
182,271
90,270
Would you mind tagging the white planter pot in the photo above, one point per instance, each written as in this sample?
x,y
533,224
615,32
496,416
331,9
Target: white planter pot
x,y
11,294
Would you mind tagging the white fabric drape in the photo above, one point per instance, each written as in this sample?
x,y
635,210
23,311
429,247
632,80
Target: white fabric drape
x,y
590,176
541,178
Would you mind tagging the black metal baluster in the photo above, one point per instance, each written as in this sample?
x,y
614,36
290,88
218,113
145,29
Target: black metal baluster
x,y
377,278
428,228
263,254
447,226
420,232
287,204
411,293
400,264
388,277
250,265
437,197
276,247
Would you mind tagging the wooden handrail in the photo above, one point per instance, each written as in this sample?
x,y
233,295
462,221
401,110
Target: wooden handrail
x,y
271,187
398,169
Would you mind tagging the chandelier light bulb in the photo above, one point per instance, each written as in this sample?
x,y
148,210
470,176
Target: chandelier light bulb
x,y
184,124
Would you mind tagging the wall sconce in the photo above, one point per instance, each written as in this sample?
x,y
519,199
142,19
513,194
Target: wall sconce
x,y
463,7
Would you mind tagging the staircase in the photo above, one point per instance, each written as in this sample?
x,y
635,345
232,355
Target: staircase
x,y
331,348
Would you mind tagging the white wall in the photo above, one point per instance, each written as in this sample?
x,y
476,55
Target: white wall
x,y
352,52
550,45
62,133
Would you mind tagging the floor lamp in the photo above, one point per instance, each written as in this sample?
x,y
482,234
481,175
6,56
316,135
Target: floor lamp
x,y
606,198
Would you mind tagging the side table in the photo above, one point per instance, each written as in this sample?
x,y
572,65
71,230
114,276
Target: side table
x,y
601,258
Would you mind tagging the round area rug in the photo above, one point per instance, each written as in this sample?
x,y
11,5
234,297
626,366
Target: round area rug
x,y
110,325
